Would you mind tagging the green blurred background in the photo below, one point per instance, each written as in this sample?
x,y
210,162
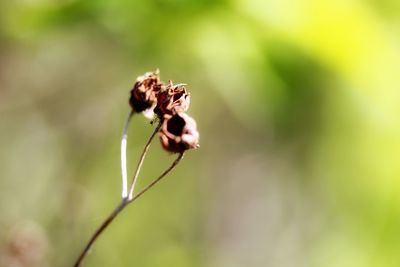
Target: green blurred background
x,y
298,107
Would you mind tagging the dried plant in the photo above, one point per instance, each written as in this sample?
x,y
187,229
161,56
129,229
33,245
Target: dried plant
x,y
177,131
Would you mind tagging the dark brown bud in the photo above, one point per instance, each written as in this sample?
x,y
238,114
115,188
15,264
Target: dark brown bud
x,y
172,99
144,92
179,133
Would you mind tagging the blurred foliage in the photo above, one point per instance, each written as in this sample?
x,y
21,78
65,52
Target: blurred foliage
x,y
297,103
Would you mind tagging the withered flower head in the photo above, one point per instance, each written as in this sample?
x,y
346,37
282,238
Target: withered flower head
x,y
179,133
144,92
172,99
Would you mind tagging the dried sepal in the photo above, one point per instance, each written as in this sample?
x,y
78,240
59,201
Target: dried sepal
x,y
144,92
179,133
172,99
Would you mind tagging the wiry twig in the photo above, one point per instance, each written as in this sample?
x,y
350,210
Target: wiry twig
x,y
119,208
99,230
155,181
140,162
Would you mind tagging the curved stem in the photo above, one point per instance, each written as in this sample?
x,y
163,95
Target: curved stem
x,y
124,141
118,209
98,232
144,190
140,162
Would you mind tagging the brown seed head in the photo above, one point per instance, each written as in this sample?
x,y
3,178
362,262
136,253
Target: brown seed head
x,y
179,133
144,92
172,99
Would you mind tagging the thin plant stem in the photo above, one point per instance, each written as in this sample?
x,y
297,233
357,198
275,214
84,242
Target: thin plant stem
x,y
155,181
140,162
119,208
124,170
99,231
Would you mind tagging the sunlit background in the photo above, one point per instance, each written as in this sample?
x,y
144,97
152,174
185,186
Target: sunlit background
x,y
298,107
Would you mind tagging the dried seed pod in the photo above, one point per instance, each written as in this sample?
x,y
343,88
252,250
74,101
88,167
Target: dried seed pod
x,y
173,99
179,133
144,92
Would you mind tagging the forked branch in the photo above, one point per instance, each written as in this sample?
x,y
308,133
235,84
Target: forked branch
x,y
118,210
